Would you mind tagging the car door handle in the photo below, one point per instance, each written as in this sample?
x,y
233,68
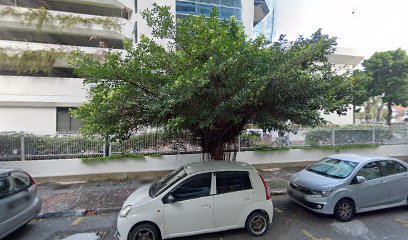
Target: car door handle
x,y
383,181
247,199
206,206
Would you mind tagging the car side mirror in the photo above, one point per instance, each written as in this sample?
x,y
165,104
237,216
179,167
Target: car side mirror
x,y
361,179
170,199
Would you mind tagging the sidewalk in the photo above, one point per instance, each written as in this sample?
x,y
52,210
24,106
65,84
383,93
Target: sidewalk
x,y
75,170
89,198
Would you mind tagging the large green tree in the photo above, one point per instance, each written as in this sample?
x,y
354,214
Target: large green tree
x,y
389,72
211,80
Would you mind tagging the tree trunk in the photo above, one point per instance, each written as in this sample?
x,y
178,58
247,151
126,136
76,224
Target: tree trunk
x,y
218,153
389,113
379,112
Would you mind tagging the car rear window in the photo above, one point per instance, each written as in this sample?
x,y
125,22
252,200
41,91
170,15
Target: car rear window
x,y
232,181
5,189
21,181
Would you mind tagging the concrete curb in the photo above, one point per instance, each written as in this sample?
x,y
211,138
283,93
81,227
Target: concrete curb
x,y
77,213
278,192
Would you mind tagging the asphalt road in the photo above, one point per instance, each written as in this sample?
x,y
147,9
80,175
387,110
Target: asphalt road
x,y
291,222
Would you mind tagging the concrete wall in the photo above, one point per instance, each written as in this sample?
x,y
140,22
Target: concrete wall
x,y
76,169
30,119
41,91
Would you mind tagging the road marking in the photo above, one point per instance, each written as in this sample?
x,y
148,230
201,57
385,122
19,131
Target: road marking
x,y
311,237
78,220
278,210
403,222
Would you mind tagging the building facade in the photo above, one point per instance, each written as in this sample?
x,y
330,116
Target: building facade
x,y
37,86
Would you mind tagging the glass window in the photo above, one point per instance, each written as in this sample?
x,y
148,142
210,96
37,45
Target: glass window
x,y
333,168
167,181
232,182
194,187
21,181
66,123
389,167
186,7
5,187
370,171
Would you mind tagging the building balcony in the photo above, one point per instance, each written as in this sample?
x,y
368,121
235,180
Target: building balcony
x,y
63,23
29,91
14,54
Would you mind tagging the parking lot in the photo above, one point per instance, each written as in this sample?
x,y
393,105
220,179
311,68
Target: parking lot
x,y
291,222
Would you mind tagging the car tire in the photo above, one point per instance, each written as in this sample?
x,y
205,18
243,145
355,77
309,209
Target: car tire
x,y
144,231
344,210
257,224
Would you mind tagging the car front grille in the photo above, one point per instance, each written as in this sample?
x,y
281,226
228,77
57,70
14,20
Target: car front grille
x,y
301,189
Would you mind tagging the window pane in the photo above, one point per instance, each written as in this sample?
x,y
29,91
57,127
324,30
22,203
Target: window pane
x,y
232,182
391,167
370,171
4,186
194,187
63,122
21,181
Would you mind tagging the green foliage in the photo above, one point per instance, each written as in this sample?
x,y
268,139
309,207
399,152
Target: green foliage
x,y
41,16
112,158
211,80
389,71
359,81
31,61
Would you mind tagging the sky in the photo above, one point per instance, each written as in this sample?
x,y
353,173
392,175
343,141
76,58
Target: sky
x,y
366,25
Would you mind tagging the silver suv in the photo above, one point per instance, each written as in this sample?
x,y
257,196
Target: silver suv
x,y
19,202
347,184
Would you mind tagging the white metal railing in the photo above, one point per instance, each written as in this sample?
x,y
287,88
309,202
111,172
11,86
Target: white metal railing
x,y
24,146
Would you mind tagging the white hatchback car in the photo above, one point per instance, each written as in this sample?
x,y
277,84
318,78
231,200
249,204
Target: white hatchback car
x,y
198,198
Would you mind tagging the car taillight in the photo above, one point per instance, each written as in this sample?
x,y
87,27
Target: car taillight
x,y
268,197
33,181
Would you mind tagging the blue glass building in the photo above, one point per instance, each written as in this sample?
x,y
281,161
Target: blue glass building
x,y
226,8
264,24
262,15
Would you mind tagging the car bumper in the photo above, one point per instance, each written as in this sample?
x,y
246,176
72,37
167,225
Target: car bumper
x,y
123,228
315,204
20,219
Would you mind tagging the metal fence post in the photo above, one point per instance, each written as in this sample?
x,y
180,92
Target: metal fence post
x,y
334,137
289,144
239,142
22,148
373,133
407,131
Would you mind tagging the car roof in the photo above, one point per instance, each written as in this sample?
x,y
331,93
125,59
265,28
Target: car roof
x,y
360,158
4,170
214,166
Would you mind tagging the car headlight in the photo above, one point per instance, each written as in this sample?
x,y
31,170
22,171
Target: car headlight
x,y
322,193
125,211
325,193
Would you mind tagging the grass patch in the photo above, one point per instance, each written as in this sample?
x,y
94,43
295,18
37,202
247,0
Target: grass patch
x,y
323,148
155,155
112,158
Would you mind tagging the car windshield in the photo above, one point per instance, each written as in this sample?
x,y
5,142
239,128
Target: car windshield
x,y
167,182
333,168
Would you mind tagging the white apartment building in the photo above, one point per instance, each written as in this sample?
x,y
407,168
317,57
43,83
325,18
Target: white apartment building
x,y
37,87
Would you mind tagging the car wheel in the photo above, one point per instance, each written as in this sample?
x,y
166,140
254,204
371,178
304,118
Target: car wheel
x,y
344,210
145,231
257,224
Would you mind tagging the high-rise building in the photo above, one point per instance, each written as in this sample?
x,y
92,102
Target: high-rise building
x,y
37,86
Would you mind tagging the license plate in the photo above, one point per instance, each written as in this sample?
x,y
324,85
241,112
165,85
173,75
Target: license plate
x,y
297,194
